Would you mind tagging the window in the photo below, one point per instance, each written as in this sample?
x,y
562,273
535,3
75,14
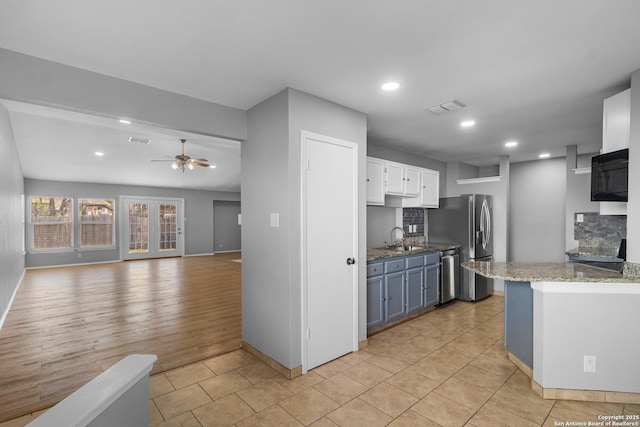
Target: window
x,y
96,222
52,222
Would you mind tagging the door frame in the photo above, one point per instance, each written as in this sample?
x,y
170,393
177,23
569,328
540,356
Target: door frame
x,y
121,219
304,137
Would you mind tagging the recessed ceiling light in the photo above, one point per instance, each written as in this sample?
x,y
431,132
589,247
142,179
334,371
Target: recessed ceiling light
x,y
467,123
544,155
99,154
511,143
126,122
390,86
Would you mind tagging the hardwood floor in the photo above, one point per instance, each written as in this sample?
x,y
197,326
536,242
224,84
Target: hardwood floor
x,y
69,324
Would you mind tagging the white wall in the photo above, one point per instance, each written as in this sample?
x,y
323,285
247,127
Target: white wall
x,y
11,190
633,205
537,211
271,288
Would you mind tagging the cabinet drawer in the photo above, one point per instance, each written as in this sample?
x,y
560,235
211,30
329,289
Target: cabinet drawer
x,y
415,261
374,269
433,258
393,266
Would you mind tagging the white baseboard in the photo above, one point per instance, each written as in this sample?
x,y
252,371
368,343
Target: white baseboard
x,y
226,252
73,265
15,291
207,254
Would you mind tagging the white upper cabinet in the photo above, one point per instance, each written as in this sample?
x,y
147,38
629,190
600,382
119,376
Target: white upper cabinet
x,y
375,182
413,186
429,193
401,180
616,127
394,178
412,181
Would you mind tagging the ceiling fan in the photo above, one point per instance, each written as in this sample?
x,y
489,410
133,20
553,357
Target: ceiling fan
x,y
182,161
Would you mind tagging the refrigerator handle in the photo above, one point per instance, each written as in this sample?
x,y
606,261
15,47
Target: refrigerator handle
x,y
486,224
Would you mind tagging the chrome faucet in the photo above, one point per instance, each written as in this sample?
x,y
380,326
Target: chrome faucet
x,y
393,240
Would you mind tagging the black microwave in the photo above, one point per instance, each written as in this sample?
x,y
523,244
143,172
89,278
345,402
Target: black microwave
x,y
609,176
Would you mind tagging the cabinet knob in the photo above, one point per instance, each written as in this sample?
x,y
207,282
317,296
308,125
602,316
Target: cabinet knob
x,y
368,180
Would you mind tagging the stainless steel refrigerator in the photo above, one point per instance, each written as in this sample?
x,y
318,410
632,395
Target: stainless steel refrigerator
x,y
466,220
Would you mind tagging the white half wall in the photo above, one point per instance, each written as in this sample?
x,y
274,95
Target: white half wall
x,y
573,320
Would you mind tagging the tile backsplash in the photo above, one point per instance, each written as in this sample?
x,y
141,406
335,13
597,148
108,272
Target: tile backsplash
x,y
600,231
413,217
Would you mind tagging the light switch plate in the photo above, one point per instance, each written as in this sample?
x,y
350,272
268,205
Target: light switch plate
x,y
274,220
580,218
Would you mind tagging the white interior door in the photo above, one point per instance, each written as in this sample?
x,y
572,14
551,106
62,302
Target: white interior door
x,y
330,245
151,228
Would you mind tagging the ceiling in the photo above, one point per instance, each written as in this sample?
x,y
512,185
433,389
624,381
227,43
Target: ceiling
x,y
531,70
60,145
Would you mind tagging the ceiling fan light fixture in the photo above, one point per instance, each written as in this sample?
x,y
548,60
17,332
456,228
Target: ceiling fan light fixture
x,y
190,166
174,165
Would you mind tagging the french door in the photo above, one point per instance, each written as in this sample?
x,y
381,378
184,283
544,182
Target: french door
x,y
151,228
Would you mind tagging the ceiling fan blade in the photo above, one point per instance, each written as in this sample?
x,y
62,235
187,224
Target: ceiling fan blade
x,y
197,163
201,160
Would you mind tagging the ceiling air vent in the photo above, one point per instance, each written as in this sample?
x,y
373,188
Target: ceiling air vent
x,y
447,107
139,140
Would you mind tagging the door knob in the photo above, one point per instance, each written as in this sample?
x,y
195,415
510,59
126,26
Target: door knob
x,y
351,261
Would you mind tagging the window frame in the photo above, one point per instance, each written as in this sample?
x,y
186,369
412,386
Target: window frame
x,y
32,225
80,223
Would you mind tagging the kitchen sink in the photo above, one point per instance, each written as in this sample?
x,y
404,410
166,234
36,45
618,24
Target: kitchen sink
x,y
402,248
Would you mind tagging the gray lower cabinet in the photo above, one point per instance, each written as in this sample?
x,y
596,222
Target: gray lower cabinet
x,y
400,286
432,274
375,301
394,295
415,289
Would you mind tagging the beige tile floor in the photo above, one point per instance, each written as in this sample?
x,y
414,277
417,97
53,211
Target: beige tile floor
x,y
445,368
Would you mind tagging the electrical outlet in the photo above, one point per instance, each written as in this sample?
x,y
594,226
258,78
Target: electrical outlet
x,y
589,363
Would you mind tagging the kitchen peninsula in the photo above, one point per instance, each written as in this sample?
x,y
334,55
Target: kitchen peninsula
x,y
569,326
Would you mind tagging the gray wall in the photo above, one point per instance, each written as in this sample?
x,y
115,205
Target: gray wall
x,y
29,79
537,211
11,190
271,288
226,231
198,213
380,221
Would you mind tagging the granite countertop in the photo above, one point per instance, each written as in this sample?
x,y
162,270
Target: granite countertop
x,y
594,253
381,252
545,272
